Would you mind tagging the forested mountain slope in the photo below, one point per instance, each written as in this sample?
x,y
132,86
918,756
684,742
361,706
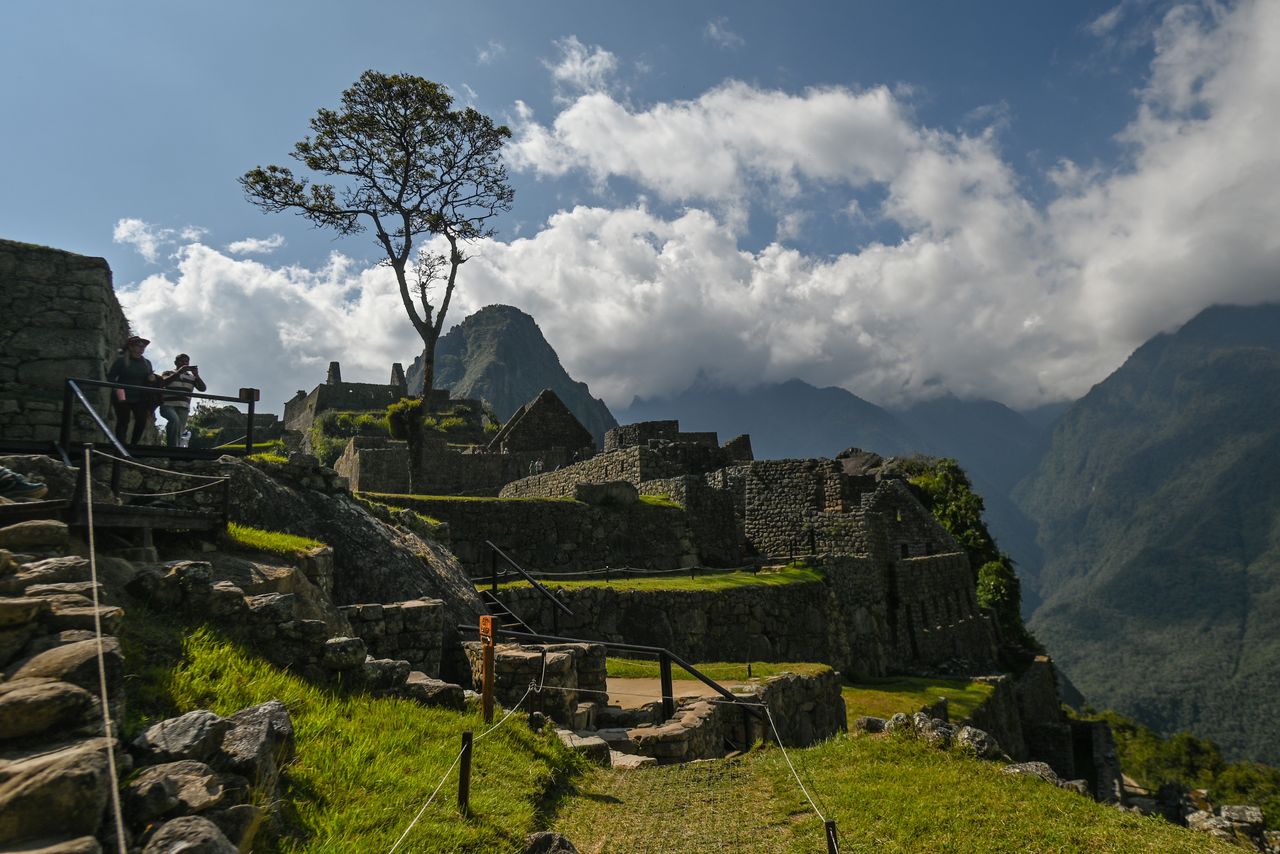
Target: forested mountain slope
x,y
1158,504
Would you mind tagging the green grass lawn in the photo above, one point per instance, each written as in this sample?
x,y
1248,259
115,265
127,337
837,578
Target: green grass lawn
x,y
270,541
701,580
364,766
885,794
882,698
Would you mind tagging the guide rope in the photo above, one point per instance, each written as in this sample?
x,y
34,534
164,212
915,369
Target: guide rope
x,y
107,725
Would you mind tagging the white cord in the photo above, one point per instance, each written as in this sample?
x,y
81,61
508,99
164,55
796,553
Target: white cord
x,y
102,667
162,471
456,759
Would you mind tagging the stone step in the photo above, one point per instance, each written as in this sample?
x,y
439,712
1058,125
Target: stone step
x,y
82,618
59,845
584,716
630,761
594,748
35,534
53,790
619,739
432,692
36,705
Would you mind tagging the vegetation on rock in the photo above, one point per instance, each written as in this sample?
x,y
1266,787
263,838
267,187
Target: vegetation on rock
x,y
1193,763
945,490
270,541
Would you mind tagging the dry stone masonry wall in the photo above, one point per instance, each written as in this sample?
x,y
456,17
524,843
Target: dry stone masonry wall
x,y
410,631
59,318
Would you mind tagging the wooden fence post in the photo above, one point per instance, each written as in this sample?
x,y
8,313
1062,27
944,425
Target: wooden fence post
x,y
464,775
486,646
833,846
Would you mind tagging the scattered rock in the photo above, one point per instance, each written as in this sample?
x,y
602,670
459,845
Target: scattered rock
x,y
385,674
259,741
869,724
343,653
190,835
195,735
547,842
149,796
239,824
433,692
198,787
899,723
1034,769
978,742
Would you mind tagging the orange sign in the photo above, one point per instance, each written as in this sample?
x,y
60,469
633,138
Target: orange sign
x,y
486,629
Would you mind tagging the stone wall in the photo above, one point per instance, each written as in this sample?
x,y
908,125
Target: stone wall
x,y
864,618
59,318
407,631
717,532
560,536
375,464
302,409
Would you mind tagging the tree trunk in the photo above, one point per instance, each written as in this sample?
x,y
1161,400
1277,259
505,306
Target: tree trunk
x,y
428,369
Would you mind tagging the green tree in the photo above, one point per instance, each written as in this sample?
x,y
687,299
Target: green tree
x,y
403,162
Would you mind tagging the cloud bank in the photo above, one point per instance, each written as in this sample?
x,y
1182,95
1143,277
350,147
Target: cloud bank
x,y
986,294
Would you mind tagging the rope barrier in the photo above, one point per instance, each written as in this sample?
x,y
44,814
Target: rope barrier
x,y
137,464
175,492
785,756
107,728
422,810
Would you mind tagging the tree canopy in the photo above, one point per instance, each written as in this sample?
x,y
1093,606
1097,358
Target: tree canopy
x,y
396,158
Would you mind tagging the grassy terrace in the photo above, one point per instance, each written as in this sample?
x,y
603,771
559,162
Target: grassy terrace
x,y
795,574
270,541
885,794
364,766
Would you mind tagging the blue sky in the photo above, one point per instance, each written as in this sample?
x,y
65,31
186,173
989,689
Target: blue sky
x,y
996,200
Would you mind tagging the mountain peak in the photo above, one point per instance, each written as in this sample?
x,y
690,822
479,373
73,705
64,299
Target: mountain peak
x,y
500,356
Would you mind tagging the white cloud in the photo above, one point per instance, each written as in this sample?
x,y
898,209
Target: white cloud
x,y
490,52
256,245
149,239
716,146
581,69
717,32
985,294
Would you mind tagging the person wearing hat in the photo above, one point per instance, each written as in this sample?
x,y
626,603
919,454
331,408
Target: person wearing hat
x,y
130,404
178,385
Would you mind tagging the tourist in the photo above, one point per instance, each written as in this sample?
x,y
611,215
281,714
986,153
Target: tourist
x,y
14,485
133,369
178,385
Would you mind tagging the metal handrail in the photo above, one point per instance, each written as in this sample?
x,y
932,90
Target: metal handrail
x,y
537,584
665,659
73,389
248,396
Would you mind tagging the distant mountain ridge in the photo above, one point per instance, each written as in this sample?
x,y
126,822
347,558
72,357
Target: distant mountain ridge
x,y
499,355
1158,505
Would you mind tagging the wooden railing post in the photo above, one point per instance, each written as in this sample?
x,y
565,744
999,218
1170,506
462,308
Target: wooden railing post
x,y
249,396
64,434
668,693
464,775
833,845
486,683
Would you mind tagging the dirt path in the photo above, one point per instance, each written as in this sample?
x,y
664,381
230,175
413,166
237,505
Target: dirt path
x,y
634,693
